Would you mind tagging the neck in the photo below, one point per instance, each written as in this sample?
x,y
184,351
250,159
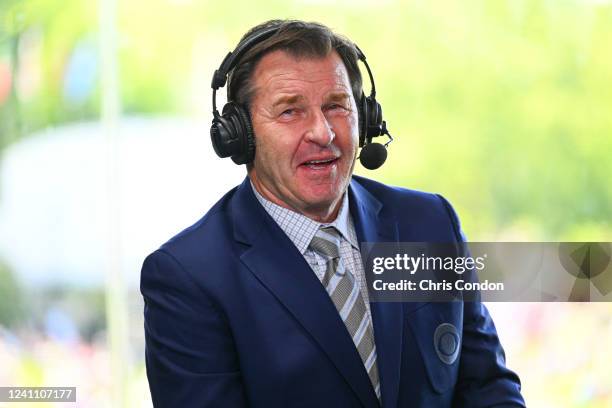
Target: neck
x,y
325,213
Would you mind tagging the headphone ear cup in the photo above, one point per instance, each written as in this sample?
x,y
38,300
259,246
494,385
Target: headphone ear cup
x,y
363,119
232,135
247,154
374,118
223,135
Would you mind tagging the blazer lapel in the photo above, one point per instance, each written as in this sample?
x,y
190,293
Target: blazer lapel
x,y
281,268
387,317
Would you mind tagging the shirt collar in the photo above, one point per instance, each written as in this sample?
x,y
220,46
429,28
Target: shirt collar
x,y
301,229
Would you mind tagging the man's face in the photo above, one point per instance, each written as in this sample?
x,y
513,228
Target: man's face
x,y
306,131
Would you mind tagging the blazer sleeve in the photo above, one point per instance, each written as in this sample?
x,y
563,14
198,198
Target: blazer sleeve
x,y
190,354
483,379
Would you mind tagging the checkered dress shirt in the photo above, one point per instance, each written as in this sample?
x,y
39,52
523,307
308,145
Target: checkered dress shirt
x,y
301,229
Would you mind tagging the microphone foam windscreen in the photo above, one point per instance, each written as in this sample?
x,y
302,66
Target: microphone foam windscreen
x,y
373,155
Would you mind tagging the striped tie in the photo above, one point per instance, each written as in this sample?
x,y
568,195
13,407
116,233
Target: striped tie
x,y
343,290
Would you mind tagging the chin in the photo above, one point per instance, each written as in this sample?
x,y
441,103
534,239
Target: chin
x,y
323,198
323,192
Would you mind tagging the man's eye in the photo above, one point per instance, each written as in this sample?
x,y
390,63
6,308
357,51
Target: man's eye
x,y
288,112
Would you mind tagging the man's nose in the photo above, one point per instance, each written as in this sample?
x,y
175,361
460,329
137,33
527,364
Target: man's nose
x,y
320,132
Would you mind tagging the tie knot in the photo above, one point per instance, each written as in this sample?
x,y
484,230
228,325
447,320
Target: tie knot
x,y
326,242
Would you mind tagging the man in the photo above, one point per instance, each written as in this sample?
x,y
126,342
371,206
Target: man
x,y
263,302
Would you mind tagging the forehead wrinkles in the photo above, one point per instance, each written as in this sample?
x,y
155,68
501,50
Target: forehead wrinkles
x,y
285,74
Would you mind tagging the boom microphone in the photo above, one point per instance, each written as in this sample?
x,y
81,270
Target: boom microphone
x,y
373,155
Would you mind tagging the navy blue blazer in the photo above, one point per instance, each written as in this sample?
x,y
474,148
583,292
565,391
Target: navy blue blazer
x,y
235,317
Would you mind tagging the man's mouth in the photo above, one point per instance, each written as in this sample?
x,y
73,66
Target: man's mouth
x,y
320,164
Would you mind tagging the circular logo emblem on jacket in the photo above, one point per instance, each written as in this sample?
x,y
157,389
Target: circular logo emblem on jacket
x,y
447,342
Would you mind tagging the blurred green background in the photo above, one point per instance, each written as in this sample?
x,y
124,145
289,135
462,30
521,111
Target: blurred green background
x,y
504,107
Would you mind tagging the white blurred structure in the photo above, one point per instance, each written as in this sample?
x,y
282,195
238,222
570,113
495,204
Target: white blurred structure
x,y
53,196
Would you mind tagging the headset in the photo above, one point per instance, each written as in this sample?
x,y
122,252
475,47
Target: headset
x,y
231,131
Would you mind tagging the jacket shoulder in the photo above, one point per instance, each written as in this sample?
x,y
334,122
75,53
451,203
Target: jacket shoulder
x,y
205,238
429,214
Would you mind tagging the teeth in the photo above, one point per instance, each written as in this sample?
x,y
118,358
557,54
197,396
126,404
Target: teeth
x,y
319,161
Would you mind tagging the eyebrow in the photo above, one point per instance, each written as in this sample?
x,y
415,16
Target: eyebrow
x,y
338,96
287,100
